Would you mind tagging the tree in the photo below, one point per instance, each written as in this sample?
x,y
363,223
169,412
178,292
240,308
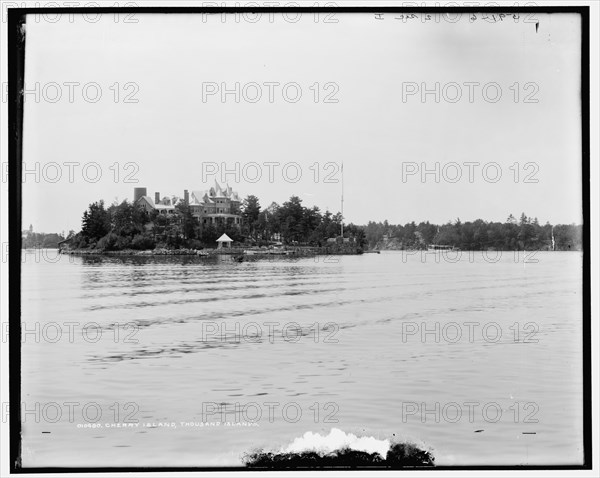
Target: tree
x,y
268,222
449,235
251,216
187,221
526,236
358,232
311,219
290,216
127,219
427,231
209,235
523,220
95,222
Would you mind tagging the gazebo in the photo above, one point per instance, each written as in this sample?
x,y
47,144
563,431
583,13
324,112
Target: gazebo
x,y
224,241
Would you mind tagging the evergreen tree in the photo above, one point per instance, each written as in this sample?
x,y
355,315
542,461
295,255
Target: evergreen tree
x,y
96,221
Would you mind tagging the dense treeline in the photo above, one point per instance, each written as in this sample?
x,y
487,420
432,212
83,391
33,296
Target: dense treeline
x,y
523,234
293,223
128,226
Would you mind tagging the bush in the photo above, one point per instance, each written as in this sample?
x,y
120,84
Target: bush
x,y
113,242
143,242
174,242
78,242
108,242
195,244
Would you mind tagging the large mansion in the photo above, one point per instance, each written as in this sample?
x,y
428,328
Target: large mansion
x,y
217,205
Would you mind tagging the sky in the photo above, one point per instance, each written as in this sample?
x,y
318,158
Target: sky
x,y
141,105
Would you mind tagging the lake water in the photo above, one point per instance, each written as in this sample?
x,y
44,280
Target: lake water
x,y
478,358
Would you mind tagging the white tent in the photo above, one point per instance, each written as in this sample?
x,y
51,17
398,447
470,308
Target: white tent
x,y
224,239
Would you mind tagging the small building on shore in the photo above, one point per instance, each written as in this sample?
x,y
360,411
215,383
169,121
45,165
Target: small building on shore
x,y
224,241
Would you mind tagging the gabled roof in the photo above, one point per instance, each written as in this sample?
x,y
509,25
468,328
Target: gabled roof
x,y
218,190
170,200
196,197
148,199
208,196
207,199
224,238
225,192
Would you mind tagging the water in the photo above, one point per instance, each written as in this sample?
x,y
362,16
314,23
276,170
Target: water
x,y
362,364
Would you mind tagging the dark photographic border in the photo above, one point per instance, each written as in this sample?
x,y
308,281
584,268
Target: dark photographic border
x,y
16,63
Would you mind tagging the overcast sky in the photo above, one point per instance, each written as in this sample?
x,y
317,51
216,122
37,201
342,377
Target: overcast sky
x,y
379,127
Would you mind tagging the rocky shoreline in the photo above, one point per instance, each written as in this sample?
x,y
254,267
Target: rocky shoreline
x,y
132,252
234,251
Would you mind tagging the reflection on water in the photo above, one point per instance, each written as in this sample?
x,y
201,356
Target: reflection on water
x,y
465,357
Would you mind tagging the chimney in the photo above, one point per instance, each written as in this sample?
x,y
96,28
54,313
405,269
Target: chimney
x,y
138,193
156,198
186,196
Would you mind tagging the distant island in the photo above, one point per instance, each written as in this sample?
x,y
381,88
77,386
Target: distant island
x,y
40,240
524,234
195,220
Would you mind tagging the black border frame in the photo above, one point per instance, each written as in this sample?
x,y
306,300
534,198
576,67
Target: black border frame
x,y
16,70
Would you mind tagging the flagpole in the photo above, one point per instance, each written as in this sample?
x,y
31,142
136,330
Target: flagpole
x,y
342,199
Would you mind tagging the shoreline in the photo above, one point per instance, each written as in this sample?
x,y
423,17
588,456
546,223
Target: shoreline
x,y
256,253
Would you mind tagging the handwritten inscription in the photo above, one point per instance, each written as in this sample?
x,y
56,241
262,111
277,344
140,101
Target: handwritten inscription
x,y
455,17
